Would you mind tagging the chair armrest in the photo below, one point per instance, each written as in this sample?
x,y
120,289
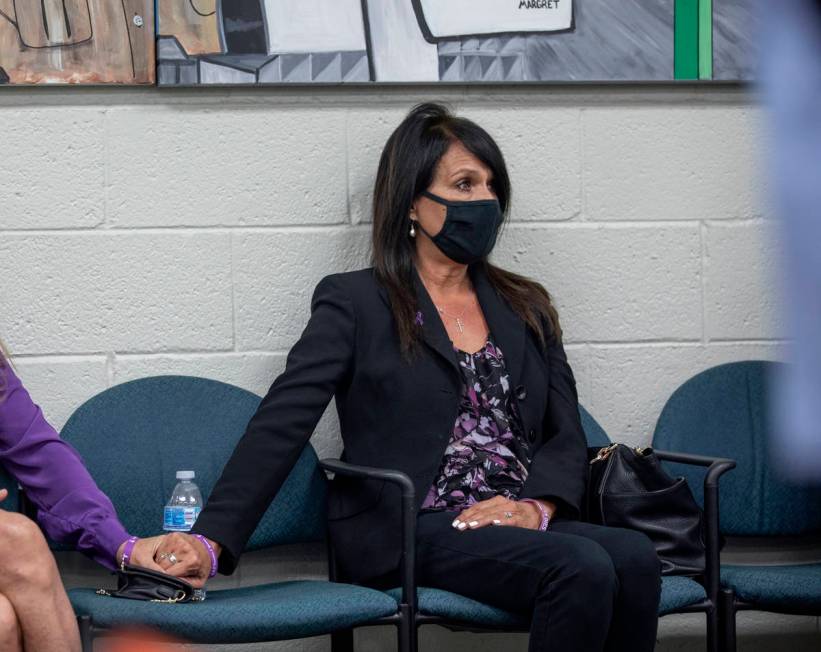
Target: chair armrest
x,y
408,500
719,464
716,467
346,468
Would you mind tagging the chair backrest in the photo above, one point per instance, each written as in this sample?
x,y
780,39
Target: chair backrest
x,y
134,437
723,411
596,436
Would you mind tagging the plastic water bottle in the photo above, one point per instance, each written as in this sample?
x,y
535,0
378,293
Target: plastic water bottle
x,y
184,506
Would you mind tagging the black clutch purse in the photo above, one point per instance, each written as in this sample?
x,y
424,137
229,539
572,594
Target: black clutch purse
x,y
627,487
139,583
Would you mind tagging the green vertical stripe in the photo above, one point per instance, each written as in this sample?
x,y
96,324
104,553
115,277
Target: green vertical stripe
x,y
705,39
685,50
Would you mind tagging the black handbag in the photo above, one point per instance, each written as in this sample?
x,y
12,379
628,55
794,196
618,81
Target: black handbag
x,y
139,583
627,487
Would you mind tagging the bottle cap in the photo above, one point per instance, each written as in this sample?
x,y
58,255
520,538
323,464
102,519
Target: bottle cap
x,y
185,475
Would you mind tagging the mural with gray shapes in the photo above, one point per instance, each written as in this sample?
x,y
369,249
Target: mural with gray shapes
x,y
342,41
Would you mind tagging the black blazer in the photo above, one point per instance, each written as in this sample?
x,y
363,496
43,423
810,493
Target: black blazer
x,y
392,415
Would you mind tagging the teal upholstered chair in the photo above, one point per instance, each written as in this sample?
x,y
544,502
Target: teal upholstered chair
x,y
133,437
456,612
723,411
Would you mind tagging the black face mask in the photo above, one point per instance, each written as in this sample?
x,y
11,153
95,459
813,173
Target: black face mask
x,y
470,228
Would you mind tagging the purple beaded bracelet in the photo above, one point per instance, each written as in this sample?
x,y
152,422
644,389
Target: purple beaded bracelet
x,y
129,547
545,516
211,554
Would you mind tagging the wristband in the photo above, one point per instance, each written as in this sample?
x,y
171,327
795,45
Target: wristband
x,y
129,547
545,516
211,554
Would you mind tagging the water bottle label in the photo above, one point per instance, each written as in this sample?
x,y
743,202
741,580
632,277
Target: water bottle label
x,y
179,518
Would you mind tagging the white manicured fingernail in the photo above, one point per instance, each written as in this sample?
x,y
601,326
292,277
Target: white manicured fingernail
x,y
462,526
473,523
455,523
496,521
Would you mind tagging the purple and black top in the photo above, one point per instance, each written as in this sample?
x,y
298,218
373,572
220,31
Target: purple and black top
x,y
488,454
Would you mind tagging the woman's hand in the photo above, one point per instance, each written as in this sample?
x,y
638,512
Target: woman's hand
x,y
142,554
493,512
193,563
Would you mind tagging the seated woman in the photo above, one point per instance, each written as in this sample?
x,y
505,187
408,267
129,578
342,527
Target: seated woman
x,y
452,370
35,613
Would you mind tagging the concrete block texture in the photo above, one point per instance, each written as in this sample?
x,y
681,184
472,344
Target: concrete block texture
x,y
194,166
367,131
742,278
613,283
60,385
275,274
104,292
52,167
629,384
672,163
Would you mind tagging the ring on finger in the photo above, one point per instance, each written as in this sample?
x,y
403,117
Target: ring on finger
x,y
508,514
173,558
163,555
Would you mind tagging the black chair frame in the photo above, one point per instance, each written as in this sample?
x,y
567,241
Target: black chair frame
x,y
407,620
411,619
730,605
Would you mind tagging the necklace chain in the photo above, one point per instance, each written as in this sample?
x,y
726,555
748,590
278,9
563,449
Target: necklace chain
x,y
459,321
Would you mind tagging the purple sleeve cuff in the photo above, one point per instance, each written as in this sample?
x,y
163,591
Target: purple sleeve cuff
x,y
110,536
99,540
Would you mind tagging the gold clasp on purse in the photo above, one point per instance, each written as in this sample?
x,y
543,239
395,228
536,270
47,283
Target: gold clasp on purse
x,y
603,453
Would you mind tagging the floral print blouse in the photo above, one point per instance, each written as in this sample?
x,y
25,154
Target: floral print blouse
x,y
488,454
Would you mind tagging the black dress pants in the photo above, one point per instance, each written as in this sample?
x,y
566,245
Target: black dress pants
x,y
588,587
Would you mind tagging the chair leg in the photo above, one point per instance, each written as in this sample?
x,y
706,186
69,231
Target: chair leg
x,y
728,614
713,636
86,633
407,630
342,640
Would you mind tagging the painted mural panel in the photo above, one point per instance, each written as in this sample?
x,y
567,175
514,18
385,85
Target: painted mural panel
x,y
456,18
735,34
77,42
337,41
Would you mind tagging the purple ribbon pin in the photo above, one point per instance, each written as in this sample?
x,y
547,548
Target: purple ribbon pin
x,y
419,319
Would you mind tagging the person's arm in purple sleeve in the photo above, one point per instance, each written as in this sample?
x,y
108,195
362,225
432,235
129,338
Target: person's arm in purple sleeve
x,y
72,509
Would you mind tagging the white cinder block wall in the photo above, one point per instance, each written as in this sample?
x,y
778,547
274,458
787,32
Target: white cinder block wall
x,y
169,231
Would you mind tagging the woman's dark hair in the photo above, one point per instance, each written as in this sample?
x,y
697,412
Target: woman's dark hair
x,y
406,168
